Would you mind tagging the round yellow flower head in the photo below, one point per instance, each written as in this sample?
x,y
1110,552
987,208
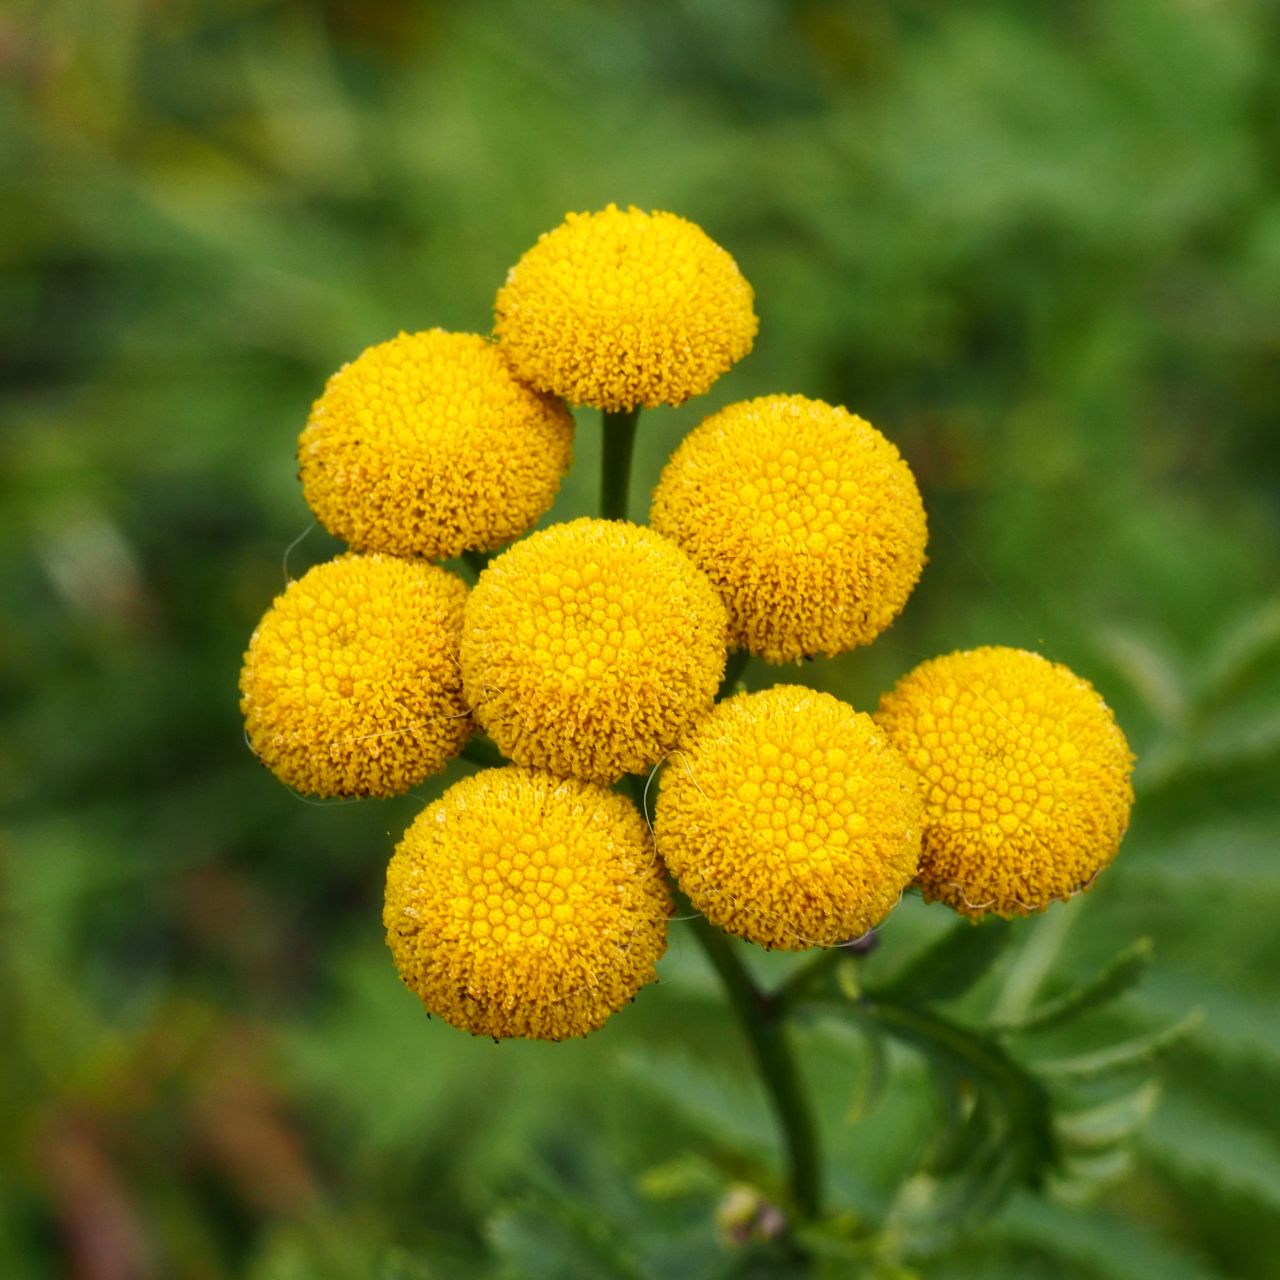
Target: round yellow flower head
x,y
805,518
522,904
427,446
1025,776
789,820
617,309
590,647
350,686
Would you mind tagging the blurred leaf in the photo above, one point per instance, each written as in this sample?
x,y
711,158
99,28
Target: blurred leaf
x,y
713,1103
1107,1245
1109,1123
953,964
1131,1055
1124,972
1209,1145
553,1239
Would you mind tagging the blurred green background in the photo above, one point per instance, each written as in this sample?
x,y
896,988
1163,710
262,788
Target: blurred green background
x,y
1038,245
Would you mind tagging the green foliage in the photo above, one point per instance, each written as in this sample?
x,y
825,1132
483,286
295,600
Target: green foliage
x,y
1040,248
947,969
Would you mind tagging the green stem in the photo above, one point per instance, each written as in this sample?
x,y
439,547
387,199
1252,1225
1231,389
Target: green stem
x,y
479,750
619,436
766,1036
477,561
733,670
758,1016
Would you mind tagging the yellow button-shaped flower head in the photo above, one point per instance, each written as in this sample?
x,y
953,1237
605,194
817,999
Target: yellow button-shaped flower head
x,y
789,819
805,518
523,904
351,686
1025,776
591,647
427,446
617,309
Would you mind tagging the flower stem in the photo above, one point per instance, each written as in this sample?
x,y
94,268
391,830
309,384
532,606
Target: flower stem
x,y
763,1022
479,750
733,670
477,561
619,432
766,1035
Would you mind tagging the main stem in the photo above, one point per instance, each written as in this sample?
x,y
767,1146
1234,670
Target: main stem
x,y
765,1031
763,1020
619,435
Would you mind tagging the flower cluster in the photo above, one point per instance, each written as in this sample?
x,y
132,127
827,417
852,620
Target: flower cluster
x,y
532,898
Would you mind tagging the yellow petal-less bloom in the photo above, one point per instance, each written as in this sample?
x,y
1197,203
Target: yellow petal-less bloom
x,y
427,446
589,648
350,686
805,518
617,309
1025,775
789,819
523,904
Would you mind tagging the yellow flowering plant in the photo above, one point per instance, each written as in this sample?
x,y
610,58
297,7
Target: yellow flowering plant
x,y
594,670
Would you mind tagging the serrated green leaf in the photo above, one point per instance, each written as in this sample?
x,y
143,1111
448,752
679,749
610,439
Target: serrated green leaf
x,y
953,1049
1108,1123
952,965
1129,1055
1079,1177
1123,973
933,1208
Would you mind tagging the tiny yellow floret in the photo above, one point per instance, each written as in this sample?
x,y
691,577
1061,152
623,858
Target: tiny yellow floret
x,y
1025,776
789,819
523,904
428,446
617,309
350,686
805,518
591,647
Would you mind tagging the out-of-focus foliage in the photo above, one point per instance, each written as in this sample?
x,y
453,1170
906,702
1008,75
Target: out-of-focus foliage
x,y
1038,245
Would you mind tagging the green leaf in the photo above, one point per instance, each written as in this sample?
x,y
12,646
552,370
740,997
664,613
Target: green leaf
x,y
1123,973
546,1238
1218,1148
872,1077
717,1106
1245,650
1110,1122
954,1050
936,1205
1129,1055
1108,1246
952,965
1080,1176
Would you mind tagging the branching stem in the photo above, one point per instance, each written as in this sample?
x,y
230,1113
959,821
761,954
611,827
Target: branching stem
x,y
761,1018
766,1035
